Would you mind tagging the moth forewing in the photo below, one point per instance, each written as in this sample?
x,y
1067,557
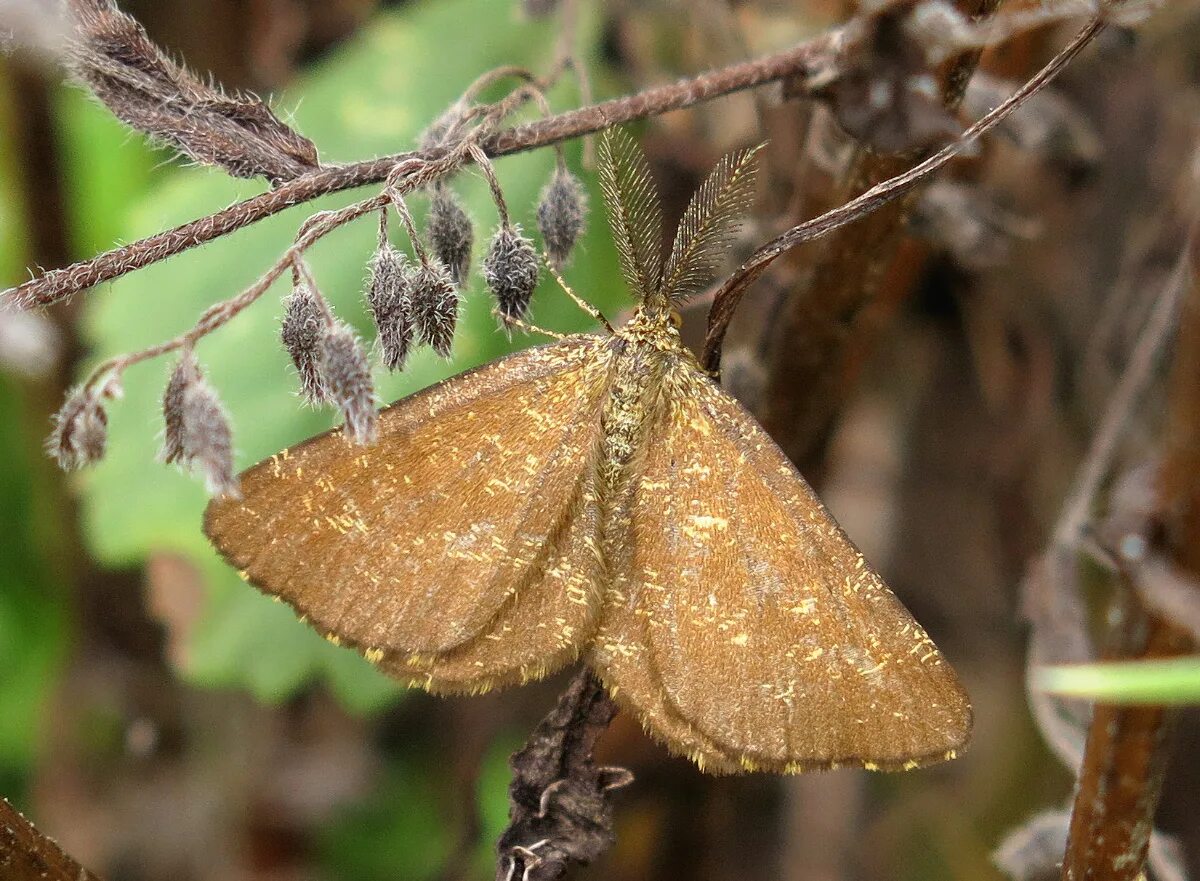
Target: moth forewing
x,y
431,550
744,627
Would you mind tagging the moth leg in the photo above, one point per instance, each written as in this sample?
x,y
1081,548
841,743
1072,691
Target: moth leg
x,y
575,298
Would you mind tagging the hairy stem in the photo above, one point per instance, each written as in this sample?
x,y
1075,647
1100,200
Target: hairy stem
x,y
791,64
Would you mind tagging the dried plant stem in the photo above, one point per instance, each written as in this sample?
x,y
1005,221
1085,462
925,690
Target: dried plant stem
x,y
1123,766
1138,373
727,297
28,855
1051,598
485,166
1127,749
795,63
806,342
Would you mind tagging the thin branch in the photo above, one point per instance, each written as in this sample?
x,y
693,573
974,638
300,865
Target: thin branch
x,y
796,63
730,293
1050,595
1143,361
28,855
1125,761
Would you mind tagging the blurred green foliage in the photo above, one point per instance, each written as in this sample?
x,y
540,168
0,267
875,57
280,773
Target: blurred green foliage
x,y
371,97
32,616
33,621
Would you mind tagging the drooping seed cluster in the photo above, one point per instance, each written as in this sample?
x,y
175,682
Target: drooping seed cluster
x,y
328,355
303,324
388,300
413,294
450,232
348,381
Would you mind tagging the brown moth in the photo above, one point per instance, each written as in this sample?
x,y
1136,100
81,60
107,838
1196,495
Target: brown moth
x,y
602,497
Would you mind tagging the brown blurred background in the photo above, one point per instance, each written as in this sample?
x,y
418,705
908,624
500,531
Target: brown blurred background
x,y
974,381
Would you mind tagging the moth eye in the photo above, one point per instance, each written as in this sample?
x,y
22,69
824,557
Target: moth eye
x,y
676,318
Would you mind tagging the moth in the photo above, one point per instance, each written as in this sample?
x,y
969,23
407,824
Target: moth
x,y
601,497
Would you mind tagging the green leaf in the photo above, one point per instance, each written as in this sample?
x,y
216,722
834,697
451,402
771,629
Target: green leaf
x,y
370,98
1173,681
33,594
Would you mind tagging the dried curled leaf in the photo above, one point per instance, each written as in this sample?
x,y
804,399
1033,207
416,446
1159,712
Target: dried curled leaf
x,y
709,224
888,97
634,211
145,89
561,809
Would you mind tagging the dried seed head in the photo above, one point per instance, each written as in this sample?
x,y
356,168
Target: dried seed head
x,y
388,299
185,374
511,270
348,382
560,215
434,301
197,432
80,430
301,332
450,233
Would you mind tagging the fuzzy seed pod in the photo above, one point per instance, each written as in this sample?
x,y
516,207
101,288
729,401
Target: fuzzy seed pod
x,y
80,432
185,374
301,332
560,215
435,301
197,434
450,233
511,270
348,382
388,299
